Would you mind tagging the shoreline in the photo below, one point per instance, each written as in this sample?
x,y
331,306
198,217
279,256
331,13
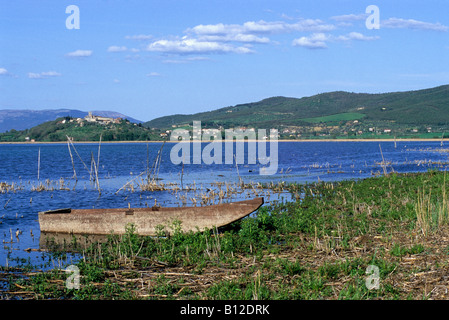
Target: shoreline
x,y
279,140
394,240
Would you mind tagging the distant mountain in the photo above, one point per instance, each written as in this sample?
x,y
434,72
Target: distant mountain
x,y
409,108
26,119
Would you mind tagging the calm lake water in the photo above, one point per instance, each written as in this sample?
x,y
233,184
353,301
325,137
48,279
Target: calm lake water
x,y
123,164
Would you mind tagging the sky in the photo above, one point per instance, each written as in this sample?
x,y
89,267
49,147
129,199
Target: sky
x,y
148,59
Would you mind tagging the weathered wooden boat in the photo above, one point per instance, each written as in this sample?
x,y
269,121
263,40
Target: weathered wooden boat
x,y
145,220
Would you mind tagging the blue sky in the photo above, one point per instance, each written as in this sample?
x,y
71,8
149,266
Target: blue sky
x,y
148,59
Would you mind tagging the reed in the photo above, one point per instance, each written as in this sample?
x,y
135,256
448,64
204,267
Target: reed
x,y
423,208
383,164
97,180
38,164
318,247
71,158
50,185
76,151
12,187
430,216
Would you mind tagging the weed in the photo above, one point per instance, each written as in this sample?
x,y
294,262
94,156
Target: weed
x,y
400,251
315,247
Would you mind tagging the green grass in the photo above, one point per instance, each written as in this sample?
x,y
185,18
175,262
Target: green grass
x,y
318,247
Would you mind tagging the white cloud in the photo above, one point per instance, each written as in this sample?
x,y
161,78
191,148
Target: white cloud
x,y
139,37
51,74
357,36
3,71
319,40
153,74
43,75
394,22
237,32
198,59
186,60
350,17
252,32
194,46
214,29
175,61
117,49
315,41
310,25
222,38
413,24
33,75
240,37
79,54
225,38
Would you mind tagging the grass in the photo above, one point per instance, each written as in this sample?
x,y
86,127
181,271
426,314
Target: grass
x,y
318,247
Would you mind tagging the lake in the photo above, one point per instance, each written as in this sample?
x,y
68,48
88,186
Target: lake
x,y
39,177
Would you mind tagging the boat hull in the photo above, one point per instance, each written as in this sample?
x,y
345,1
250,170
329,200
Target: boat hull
x,y
145,220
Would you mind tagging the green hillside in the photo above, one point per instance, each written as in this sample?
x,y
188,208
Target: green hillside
x,y
335,115
59,129
400,110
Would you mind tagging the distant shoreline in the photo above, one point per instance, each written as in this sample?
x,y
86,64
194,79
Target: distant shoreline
x,y
279,140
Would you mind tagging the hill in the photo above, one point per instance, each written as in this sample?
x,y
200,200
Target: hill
x,y
403,112
26,119
82,130
409,114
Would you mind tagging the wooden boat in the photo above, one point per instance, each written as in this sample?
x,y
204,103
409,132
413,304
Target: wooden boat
x,y
145,220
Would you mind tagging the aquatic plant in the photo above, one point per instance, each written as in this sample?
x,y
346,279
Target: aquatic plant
x,y
317,246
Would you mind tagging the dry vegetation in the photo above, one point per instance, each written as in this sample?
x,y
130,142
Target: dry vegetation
x,y
317,247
